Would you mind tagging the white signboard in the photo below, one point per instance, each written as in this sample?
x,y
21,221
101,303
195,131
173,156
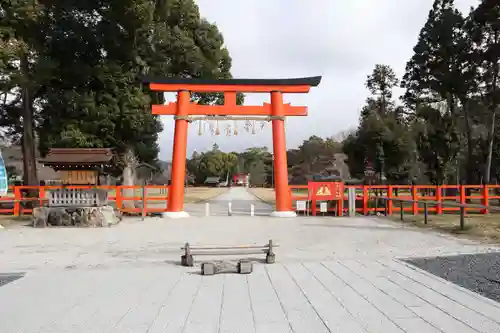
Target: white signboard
x,y
4,178
301,205
323,207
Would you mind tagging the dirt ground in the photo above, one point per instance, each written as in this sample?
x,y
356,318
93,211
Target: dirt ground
x,y
269,196
191,194
195,194
264,194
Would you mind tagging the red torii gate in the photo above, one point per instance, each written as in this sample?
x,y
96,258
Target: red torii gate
x,y
183,111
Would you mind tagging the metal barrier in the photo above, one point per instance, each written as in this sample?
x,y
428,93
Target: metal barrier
x,y
190,251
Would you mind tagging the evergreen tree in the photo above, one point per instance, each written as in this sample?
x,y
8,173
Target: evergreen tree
x,y
484,28
440,72
21,75
100,49
382,138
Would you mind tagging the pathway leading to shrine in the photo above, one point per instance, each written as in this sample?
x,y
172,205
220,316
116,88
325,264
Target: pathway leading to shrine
x,y
331,275
241,201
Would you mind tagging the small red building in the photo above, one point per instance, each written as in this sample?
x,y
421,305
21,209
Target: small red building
x,y
241,179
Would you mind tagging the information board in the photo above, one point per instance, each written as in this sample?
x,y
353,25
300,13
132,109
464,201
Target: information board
x,y
301,205
326,190
4,180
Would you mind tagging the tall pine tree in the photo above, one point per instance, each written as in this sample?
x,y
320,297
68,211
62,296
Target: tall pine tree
x,y
484,29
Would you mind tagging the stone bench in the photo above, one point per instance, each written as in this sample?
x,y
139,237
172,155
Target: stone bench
x,y
190,251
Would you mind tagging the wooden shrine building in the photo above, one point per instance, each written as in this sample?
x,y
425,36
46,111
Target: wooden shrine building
x,y
79,166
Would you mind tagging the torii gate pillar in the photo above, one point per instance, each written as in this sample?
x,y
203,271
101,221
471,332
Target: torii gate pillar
x,y
283,193
175,204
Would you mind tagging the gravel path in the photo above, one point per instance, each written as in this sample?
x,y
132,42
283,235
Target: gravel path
x,y
477,272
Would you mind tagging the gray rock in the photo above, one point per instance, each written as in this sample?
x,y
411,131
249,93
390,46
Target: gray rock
x,y
109,216
219,267
58,216
103,216
40,216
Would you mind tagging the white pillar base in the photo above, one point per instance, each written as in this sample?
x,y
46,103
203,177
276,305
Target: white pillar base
x,y
283,214
175,215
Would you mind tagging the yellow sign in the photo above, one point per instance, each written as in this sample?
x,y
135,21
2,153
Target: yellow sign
x,y
323,190
79,177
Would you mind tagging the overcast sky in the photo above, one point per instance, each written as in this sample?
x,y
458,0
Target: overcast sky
x,y
341,40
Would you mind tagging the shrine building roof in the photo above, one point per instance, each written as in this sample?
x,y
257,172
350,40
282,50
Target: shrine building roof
x,y
78,156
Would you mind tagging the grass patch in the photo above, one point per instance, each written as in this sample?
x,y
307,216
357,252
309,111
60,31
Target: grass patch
x,y
483,227
195,194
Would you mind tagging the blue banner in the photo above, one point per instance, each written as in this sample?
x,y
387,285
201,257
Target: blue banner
x,y
4,180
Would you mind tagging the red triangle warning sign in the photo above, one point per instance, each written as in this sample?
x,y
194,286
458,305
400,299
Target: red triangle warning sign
x,y
323,191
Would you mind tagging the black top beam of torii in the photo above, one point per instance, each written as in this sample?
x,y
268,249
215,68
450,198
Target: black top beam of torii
x,y
312,81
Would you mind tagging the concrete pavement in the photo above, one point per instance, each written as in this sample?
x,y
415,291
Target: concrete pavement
x,y
331,275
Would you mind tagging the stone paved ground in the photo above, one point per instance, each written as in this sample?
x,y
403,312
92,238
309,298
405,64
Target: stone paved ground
x,y
332,275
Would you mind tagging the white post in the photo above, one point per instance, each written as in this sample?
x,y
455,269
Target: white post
x,y
207,209
229,211
252,210
352,201
144,202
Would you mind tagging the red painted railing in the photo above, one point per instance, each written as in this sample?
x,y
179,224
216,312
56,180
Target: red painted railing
x,y
16,199
366,197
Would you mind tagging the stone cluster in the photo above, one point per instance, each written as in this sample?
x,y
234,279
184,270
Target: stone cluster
x,y
104,216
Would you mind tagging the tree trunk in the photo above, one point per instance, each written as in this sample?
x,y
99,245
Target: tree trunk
x,y
470,146
491,138
494,108
451,105
129,179
30,177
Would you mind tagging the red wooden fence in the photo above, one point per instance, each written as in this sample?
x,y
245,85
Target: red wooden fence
x,y
366,196
17,199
